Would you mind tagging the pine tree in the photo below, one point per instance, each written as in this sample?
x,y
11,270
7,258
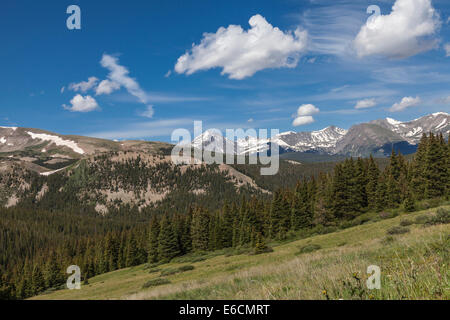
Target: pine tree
x,y
111,252
53,275
409,202
392,184
359,185
131,258
260,244
153,240
373,174
381,197
280,216
227,226
37,280
417,172
301,214
340,193
167,241
200,230
435,171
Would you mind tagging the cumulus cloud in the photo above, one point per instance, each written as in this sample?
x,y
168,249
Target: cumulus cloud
x,y
106,87
307,110
82,104
300,121
406,102
119,77
365,103
408,30
447,50
84,86
148,113
241,53
304,115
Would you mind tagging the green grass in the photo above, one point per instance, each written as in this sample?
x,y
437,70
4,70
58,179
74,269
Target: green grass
x,y
414,265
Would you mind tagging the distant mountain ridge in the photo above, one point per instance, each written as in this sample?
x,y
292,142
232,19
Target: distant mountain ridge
x,y
377,137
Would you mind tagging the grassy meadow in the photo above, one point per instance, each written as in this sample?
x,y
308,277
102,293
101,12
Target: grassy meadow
x,y
413,254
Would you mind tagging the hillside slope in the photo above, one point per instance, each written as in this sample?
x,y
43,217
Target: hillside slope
x,y
414,265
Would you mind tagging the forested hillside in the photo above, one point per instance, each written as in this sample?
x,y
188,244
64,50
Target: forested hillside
x,y
39,239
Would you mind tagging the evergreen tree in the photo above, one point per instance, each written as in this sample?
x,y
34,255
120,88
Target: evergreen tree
x,y
373,174
37,280
301,215
53,275
260,244
131,258
409,202
200,230
153,240
167,241
436,171
227,226
392,184
417,172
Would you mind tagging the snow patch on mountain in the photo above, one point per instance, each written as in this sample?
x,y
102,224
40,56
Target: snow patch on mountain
x,y
393,121
442,124
12,128
57,140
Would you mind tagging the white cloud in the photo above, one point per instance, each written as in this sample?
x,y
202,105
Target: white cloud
x,y
107,87
406,102
304,114
331,26
242,53
307,110
119,77
62,89
300,121
168,73
408,30
250,120
365,103
447,50
148,113
84,86
82,104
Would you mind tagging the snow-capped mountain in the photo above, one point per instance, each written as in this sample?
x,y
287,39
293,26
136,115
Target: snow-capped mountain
x,y
214,141
412,131
324,140
377,137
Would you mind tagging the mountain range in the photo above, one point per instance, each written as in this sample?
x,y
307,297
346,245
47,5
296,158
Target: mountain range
x,y
44,167
376,137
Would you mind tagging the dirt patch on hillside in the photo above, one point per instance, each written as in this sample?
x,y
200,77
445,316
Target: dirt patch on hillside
x,y
239,178
12,201
42,192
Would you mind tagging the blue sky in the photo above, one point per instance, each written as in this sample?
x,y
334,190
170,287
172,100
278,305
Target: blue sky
x,y
319,55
